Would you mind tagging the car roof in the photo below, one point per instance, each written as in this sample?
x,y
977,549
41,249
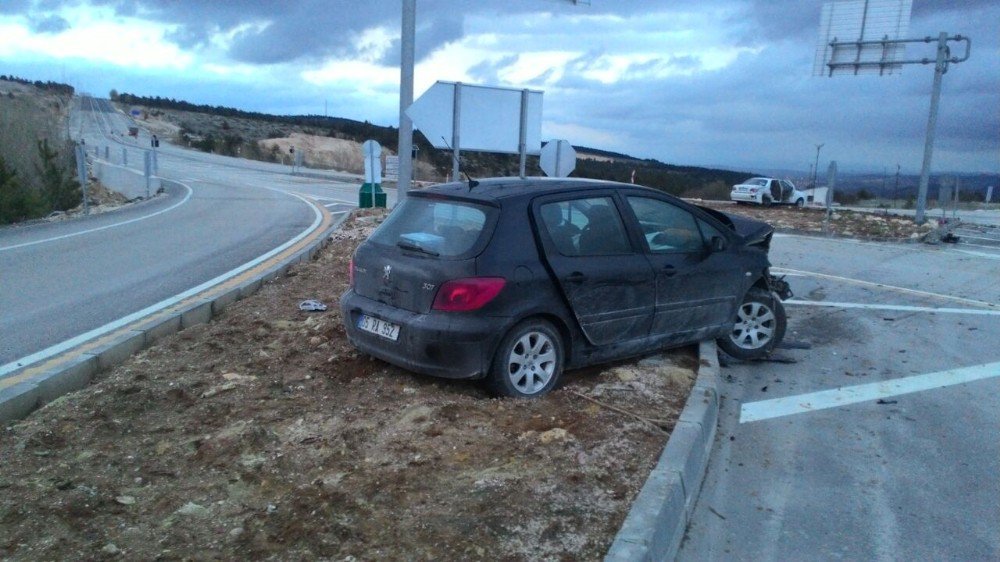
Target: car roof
x,y
496,189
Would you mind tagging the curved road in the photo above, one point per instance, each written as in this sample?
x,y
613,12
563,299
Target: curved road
x,y
60,280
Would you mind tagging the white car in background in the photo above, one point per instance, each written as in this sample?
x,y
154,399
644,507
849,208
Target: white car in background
x,y
767,192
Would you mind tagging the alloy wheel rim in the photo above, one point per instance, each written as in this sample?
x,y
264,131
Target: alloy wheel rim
x,y
532,362
755,323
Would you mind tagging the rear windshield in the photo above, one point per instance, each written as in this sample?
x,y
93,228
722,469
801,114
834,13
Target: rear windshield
x,y
434,227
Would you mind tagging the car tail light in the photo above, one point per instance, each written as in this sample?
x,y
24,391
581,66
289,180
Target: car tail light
x,y
471,293
350,273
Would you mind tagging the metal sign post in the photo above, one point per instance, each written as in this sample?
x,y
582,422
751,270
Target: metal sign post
x,y
522,143
406,97
147,169
456,128
81,172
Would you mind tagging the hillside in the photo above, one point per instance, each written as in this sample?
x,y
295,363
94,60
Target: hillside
x,y
261,136
36,157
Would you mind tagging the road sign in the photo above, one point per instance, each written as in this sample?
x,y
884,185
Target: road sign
x,y
373,163
861,37
371,194
489,117
558,159
392,167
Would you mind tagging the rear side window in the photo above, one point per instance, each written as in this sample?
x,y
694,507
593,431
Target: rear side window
x,y
434,227
585,227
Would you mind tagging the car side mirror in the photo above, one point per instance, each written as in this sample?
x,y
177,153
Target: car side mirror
x,y
718,244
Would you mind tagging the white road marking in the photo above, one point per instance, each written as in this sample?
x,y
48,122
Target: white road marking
x,y
979,254
105,227
896,307
114,325
824,399
884,286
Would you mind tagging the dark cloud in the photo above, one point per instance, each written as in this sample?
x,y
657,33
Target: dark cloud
x,y
764,109
487,72
49,24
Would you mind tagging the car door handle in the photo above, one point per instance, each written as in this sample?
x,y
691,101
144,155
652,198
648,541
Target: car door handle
x,y
668,270
575,277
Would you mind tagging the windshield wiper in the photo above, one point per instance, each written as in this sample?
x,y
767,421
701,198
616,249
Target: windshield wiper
x,y
406,245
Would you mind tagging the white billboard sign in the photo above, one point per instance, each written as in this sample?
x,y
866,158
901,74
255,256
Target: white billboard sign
x,y
845,23
489,117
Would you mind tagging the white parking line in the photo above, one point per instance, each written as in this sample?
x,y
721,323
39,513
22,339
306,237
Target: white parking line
x,y
884,286
824,399
105,227
896,307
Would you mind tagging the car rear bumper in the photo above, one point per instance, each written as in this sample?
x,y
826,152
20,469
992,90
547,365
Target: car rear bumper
x,y
745,197
447,345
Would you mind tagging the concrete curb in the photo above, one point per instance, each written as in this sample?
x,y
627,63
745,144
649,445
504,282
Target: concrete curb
x,y
19,400
656,523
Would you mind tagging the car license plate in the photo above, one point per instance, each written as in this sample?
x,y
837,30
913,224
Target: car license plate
x,y
387,330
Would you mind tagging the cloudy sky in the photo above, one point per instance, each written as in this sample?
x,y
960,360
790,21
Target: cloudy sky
x,y
713,82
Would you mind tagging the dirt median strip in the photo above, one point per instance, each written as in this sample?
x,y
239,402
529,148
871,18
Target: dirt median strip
x,y
264,434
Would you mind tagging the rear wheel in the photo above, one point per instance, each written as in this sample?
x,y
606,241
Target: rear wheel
x,y
800,203
758,328
528,362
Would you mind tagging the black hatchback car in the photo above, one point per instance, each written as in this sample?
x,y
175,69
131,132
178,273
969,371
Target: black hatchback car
x,y
515,280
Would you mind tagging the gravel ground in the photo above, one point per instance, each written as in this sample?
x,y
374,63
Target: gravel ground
x,y
264,435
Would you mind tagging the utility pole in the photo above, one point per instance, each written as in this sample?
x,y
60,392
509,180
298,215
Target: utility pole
x,y
940,67
405,145
816,167
895,189
881,193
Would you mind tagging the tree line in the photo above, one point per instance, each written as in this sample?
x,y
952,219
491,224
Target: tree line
x,y
55,87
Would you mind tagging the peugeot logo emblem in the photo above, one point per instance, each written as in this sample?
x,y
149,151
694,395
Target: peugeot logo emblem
x,y
386,271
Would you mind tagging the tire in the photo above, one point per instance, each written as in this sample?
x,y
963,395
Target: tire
x,y
528,361
758,328
800,203
765,201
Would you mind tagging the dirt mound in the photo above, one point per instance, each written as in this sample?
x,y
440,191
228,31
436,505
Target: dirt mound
x,y
264,434
321,152
849,224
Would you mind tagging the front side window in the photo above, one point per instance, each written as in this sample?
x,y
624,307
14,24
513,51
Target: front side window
x,y
666,227
434,227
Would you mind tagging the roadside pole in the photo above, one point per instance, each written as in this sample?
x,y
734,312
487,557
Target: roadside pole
x,y
405,146
940,67
81,172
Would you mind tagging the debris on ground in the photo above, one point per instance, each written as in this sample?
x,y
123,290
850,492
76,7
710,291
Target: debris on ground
x,y
312,305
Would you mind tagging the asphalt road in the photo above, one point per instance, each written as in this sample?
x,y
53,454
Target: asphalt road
x,y
62,279
868,446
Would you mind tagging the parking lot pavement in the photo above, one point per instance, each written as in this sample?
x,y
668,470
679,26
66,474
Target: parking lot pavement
x,y
878,442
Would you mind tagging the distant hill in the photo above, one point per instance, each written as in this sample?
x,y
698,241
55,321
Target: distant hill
x,y
691,181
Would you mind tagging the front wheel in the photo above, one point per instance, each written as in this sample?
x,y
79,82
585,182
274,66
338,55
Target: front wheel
x,y
759,326
528,362
765,201
800,203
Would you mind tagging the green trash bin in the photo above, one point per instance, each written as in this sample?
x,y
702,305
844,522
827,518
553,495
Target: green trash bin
x,y
371,195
